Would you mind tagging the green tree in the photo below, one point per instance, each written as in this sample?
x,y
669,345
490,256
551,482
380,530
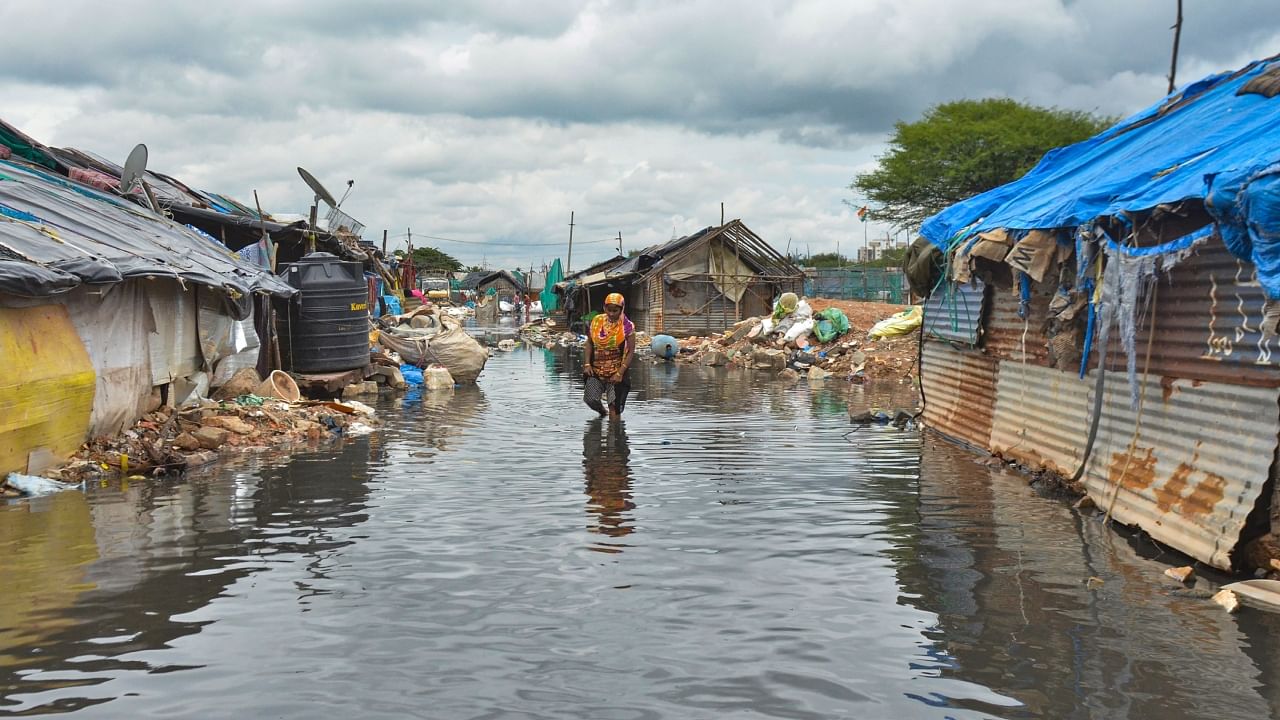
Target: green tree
x,y
429,258
890,258
827,259
962,148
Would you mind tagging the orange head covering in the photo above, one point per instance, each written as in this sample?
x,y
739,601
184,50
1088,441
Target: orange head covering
x,y
614,299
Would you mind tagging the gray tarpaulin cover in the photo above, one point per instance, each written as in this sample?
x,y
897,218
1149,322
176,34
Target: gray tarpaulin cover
x,y
56,235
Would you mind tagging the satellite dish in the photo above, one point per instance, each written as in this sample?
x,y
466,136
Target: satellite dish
x,y
317,188
133,168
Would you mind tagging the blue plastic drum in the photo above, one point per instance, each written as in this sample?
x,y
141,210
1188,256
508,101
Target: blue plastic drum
x,y
664,346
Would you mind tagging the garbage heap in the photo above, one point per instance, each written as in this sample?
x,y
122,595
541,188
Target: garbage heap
x,y
431,339
171,440
546,333
818,338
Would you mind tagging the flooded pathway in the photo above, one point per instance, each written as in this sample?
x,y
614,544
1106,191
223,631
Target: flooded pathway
x,y
731,550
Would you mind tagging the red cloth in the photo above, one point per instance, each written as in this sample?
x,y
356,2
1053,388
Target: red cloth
x,y
93,178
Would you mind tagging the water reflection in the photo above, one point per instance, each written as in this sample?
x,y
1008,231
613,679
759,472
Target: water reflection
x,y
608,476
1007,571
446,418
144,561
787,567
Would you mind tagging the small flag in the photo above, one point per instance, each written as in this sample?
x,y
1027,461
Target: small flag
x,y
863,212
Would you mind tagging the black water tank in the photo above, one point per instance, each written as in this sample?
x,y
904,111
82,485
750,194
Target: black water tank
x,y
326,325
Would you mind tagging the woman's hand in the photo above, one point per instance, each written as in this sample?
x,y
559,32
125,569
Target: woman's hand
x,y
587,370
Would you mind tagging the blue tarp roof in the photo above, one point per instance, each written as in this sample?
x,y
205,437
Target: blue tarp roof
x,y
1206,142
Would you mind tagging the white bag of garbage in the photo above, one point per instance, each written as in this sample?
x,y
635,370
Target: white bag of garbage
x,y
457,351
437,377
34,486
799,328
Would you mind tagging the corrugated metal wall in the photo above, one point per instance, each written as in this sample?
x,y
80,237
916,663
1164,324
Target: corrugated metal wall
x,y
956,313
1206,440
1009,337
1041,417
655,321
1200,460
959,390
1209,317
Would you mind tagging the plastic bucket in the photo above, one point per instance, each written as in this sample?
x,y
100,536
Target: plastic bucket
x,y
280,386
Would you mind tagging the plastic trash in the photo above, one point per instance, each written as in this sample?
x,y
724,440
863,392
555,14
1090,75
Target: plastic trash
x,y
831,324
899,324
412,374
33,486
281,386
1265,594
437,378
664,346
801,327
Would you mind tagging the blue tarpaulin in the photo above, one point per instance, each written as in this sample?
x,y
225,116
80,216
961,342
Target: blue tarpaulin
x,y
1205,142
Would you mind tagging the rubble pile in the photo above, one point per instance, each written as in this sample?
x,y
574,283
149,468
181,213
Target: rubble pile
x,y
170,440
544,332
853,354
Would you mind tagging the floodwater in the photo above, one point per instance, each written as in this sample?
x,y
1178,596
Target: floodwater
x,y
731,550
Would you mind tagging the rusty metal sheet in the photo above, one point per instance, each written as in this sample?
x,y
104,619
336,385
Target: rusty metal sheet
x,y
959,390
654,295
1199,464
1041,416
1209,315
955,313
1009,337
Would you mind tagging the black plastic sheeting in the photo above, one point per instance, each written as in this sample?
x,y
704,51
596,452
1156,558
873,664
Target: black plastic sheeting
x,y
56,235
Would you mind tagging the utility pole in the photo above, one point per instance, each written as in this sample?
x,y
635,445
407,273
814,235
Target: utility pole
x,y
721,214
409,233
384,243
568,264
1177,35
619,242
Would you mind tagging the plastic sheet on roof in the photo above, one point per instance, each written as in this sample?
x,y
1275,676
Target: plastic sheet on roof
x,y
56,235
1207,142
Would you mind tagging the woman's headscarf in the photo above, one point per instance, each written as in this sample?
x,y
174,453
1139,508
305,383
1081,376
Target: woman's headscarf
x,y
610,335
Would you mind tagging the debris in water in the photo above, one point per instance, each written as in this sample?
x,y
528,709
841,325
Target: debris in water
x,y
1228,601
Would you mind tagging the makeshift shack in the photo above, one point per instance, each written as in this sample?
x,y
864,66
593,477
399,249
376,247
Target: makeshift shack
x,y
1111,317
106,309
700,283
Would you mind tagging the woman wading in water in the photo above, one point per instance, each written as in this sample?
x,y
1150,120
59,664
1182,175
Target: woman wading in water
x,y
610,348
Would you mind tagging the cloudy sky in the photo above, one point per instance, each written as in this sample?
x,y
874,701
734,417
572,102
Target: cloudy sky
x,y
487,122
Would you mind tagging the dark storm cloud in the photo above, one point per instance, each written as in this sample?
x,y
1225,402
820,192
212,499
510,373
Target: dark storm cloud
x,y
495,119
598,62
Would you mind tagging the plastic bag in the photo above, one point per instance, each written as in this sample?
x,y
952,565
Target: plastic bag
x,y
799,328
412,374
832,323
899,324
457,351
33,486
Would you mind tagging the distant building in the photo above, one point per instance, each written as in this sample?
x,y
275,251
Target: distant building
x,y
700,283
